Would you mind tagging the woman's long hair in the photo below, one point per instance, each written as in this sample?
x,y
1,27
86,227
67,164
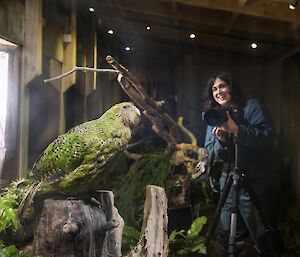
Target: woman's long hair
x,y
238,98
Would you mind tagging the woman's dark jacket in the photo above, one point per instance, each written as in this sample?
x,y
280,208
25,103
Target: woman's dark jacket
x,y
255,143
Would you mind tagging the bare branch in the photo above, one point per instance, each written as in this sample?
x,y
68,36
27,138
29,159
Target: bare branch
x,y
186,131
81,69
138,142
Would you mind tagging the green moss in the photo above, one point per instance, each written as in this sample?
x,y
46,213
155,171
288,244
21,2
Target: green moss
x,y
154,169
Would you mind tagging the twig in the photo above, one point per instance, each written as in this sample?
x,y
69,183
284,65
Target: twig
x,y
186,131
138,142
133,156
81,69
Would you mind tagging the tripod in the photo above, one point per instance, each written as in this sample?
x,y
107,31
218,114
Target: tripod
x,y
233,182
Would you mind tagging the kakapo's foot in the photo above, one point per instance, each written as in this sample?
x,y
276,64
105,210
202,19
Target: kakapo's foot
x,y
72,198
95,202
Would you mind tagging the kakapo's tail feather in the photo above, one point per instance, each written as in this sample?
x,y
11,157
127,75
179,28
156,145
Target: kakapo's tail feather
x,y
28,198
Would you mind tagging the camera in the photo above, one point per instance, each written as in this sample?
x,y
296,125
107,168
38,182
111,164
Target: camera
x,y
216,116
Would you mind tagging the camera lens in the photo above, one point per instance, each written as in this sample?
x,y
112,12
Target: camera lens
x,y
215,117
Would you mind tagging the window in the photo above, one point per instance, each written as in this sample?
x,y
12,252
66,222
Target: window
x,y
3,103
9,116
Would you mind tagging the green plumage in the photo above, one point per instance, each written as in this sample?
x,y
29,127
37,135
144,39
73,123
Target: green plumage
x,y
73,162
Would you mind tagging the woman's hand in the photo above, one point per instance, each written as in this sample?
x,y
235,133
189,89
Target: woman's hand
x,y
220,133
225,129
229,126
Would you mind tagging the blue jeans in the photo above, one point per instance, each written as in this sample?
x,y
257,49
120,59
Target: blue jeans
x,y
248,220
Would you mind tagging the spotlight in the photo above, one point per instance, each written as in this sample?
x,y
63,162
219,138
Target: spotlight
x,y
148,28
192,36
254,45
127,48
91,9
293,5
110,32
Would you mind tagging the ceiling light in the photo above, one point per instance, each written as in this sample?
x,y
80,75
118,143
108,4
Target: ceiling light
x,y
293,5
192,35
127,48
148,28
110,32
91,9
254,45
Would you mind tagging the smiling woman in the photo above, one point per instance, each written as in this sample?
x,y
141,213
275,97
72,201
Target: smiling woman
x,y
243,146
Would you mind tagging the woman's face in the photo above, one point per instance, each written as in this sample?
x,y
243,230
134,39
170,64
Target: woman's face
x,y
221,92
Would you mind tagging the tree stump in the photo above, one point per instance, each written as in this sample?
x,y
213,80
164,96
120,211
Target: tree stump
x,y
154,238
71,227
113,236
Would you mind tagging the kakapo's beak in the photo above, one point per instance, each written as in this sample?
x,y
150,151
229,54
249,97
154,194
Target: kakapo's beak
x,y
138,111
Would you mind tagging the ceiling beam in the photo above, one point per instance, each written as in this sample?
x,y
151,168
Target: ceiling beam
x,y
234,16
173,35
268,9
192,15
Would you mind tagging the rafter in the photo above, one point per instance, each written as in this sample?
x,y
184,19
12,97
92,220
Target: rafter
x,y
268,9
234,16
192,15
172,34
224,25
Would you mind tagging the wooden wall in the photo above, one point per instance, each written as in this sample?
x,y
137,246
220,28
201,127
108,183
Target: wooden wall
x,y
290,122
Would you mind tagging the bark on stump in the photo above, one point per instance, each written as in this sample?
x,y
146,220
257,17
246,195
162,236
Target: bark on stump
x,y
113,236
154,238
71,227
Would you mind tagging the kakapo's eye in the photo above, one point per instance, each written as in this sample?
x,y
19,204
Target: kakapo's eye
x,y
125,106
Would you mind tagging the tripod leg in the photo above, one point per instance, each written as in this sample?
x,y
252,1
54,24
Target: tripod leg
x,y
233,220
220,204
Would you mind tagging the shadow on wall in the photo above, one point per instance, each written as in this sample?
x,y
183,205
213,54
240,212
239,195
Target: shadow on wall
x,y
43,117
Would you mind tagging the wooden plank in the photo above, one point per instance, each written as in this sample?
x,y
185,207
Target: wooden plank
x,y
31,67
53,42
33,40
70,50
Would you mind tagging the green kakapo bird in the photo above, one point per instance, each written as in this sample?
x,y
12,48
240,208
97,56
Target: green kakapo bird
x,y
73,162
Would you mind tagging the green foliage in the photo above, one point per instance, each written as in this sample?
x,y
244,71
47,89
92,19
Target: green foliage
x,y
153,168
9,251
187,243
10,198
129,239
12,251
8,213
